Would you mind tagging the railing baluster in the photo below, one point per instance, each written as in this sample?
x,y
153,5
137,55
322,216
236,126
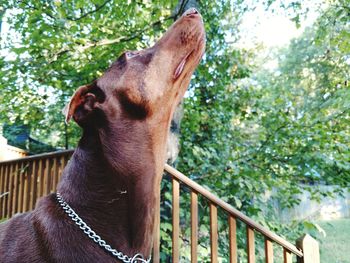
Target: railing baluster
x,y
176,220
250,245
21,179
11,190
27,186
156,238
268,251
2,191
54,174
156,241
47,178
63,163
194,226
214,233
34,187
287,256
233,239
5,212
16,190
41,178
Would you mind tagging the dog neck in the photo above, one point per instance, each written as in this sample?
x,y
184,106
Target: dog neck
x,y
114,185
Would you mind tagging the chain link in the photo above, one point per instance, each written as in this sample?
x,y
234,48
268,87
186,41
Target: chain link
x,y
138,258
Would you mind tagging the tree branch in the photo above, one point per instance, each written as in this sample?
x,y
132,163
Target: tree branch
x,y
37,9
89,13
329,118
180,8
105,42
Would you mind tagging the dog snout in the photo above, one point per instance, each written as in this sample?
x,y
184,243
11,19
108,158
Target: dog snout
x,y
192,12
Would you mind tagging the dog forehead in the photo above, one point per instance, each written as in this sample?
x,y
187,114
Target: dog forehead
x,y
126,69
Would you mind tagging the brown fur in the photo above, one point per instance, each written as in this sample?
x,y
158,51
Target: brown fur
x,y
113,178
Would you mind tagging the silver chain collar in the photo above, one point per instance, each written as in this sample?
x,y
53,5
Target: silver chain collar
x,y
138,258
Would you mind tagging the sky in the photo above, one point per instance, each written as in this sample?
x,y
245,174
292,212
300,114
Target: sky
x,y
269,29
7,33
274,29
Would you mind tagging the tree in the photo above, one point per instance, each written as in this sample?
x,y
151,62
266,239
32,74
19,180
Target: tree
x,y
56,46
246,130
268,135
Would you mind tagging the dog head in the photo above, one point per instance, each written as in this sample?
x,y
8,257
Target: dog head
x,y
143,84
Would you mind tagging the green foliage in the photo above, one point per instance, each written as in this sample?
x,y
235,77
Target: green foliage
x,y
61,45
249,134
265,135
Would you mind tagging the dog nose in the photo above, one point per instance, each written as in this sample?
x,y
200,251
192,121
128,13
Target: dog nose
x,y
191,12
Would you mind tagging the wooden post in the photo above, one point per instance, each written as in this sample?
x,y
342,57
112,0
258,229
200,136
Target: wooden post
x,y
213,233
268,251
34,187
194,227
3,191
233,239
156,238
250,245
287,256
310,249
176,220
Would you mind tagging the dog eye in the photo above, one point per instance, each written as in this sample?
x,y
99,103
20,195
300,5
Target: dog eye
x,y
135,109
131,54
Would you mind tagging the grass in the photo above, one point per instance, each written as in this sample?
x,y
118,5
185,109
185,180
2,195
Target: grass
x,y
335,246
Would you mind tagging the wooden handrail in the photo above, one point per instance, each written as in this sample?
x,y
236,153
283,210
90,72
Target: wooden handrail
x,y
237,214
38,156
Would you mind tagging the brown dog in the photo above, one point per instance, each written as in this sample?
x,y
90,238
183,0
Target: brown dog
x,y
113,179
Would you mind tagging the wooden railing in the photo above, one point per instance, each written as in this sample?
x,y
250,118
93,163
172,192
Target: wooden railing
x,y
306,252
24,180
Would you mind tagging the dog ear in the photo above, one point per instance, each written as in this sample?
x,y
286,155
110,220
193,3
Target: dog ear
x,y
83,102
